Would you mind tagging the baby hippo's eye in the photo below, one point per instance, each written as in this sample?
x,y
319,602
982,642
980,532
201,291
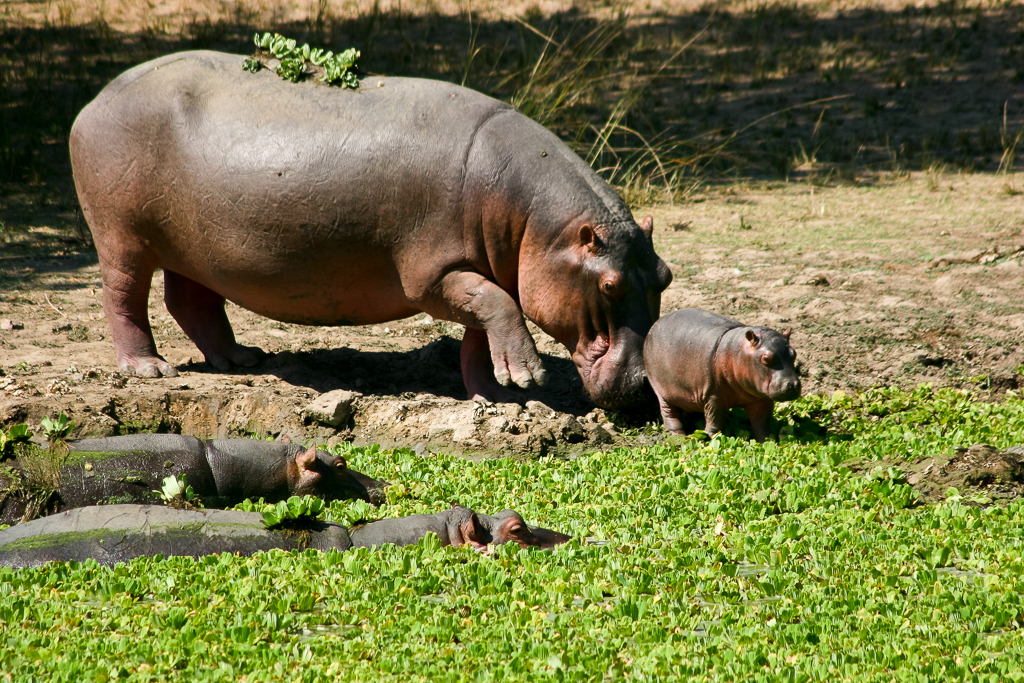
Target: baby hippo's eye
x,y
340,464
768,358
792,355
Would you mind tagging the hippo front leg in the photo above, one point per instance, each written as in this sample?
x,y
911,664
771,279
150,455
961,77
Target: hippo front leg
x,y
714,416
199,311
760,414
496,336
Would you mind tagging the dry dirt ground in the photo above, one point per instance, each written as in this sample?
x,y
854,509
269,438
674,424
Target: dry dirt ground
x,y
896,280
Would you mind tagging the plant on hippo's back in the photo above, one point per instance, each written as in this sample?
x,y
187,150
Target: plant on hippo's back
x,y
293,59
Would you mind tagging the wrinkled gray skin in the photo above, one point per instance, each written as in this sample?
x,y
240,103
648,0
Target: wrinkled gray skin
x,y
221,472
118,533
698,361
321,206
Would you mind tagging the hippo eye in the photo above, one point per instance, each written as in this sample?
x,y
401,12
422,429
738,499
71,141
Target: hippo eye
x,y
515,528
792,355
768,358
340,464
611,286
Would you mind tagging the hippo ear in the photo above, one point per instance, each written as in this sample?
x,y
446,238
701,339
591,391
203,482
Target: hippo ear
x,y
647,226
285,439
752,337
787,333
305,459
475,533
590,240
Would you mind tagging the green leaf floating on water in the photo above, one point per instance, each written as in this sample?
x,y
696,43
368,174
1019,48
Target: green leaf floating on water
x,y
294,510
294,58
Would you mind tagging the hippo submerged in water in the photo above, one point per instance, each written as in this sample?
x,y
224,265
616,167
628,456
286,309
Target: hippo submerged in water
x,y
118,533
225,472
698,361
321,206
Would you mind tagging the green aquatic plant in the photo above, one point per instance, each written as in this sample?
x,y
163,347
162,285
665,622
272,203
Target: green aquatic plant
x,y
176,493
294,513
57,430
14,434
293,60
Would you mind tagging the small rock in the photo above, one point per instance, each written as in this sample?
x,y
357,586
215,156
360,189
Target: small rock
x,y
464,433
497,425
914,358
7,324
570,430
420,448
333,408
597,435
61,327
539,409
815,280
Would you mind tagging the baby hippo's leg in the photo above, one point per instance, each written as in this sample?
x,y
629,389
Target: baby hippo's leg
x,y
760,413
714,416
671,416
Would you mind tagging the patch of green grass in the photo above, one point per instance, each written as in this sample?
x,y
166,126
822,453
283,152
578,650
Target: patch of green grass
x,y
713,560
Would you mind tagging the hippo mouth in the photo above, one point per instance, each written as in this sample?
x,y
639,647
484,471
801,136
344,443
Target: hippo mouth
x,y
789,392
612,376
367,488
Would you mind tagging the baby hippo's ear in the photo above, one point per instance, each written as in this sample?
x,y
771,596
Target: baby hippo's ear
x,y
475,533
787,333
752,337
306,461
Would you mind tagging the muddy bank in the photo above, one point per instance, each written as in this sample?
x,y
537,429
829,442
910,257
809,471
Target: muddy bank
x,y
979,474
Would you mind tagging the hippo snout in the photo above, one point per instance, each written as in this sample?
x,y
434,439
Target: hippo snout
x,y
787,390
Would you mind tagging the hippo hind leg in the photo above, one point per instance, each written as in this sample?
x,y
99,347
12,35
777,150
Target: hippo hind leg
x,y
200,312
126,305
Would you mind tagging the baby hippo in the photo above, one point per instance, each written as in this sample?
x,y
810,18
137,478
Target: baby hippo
x,y
701,361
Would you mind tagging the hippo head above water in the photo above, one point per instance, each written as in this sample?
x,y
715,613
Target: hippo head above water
x,y
320,473
604,319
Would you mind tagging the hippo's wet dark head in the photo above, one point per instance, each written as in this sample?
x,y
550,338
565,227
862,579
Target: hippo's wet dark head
x,y
508,526
598,291
328,476
774,363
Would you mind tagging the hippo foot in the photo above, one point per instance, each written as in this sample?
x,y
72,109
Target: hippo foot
x,y
236,356
484,387
147,366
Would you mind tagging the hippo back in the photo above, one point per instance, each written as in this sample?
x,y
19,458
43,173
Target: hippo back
x,y
679,352
118,533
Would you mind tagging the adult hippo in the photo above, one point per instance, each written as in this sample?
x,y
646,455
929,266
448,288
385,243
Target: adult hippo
x,y
315,205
